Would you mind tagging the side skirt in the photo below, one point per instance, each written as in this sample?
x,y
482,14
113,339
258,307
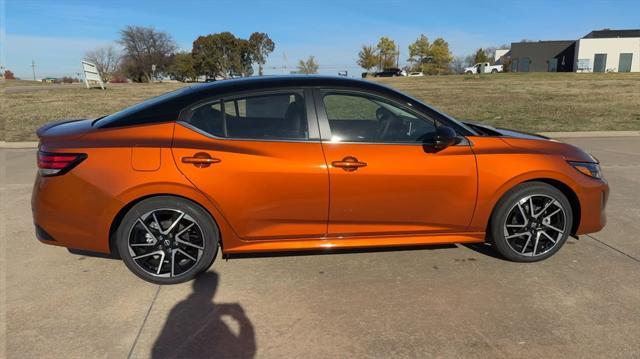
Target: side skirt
x,y
351,242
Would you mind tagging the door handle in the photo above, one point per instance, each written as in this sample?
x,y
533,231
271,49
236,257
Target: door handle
x,y
349,164
201,160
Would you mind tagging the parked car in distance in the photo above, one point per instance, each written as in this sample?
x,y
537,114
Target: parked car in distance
x,y
483,68
293,163
393,72
415,74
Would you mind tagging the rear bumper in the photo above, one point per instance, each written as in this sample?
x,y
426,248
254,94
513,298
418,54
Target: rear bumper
x,y
593,201
69,212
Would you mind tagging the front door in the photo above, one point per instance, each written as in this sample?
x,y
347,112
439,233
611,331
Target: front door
x,y
382,179
600,63
260,161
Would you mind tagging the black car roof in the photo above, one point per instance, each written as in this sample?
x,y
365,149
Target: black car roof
x,y
167,107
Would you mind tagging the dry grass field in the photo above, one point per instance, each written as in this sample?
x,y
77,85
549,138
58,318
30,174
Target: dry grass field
x,y
531,102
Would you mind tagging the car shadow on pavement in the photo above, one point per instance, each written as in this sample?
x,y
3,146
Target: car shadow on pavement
x,y
199,328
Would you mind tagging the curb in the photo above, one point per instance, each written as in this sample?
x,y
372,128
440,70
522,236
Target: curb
x,y
24,144
584,134
588,134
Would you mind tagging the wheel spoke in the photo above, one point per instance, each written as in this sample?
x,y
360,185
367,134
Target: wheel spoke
x,y
517,235
548,217
524,248
531,209
173,262
535,246
157,222
554,228
161,262
147,255
142,244
147,229
174,223
188,243
184,230
544,208
186,254
548,236
524,216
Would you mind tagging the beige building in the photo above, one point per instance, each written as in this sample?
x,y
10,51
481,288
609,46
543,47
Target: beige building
x,y
608,51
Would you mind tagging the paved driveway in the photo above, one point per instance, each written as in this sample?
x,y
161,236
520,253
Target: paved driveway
x,y
436,301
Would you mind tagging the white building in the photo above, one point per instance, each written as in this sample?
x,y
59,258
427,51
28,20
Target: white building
x,y
608,51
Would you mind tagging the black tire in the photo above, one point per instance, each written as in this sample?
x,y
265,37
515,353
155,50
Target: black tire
x,y
204,230
514,205
468,73
494,71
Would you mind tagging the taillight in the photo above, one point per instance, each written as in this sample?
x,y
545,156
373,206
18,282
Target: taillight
x,y
55,164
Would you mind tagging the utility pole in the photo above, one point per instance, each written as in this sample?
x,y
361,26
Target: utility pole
x,y
284,67
33,68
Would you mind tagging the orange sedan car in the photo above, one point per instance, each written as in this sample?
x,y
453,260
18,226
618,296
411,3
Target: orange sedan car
x,y
302,163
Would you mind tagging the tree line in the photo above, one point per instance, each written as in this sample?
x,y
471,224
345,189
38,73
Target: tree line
x,y
432,58
148,54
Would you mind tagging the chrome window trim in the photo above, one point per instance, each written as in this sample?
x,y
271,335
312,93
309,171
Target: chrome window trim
x,y
207,134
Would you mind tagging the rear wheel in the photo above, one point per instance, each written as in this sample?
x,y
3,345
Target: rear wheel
x,y
494,71
167,240
531,222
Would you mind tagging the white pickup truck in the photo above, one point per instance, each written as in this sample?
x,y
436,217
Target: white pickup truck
x,y
483,68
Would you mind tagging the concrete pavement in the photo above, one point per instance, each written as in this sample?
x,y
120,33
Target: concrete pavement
x,y
446,301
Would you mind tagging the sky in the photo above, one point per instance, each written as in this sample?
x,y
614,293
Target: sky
x,y
56,33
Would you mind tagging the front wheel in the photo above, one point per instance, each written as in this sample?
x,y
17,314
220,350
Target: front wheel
x,y
167,240
531,222
494,71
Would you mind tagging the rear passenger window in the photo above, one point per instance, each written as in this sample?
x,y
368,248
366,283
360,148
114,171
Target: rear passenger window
x,y
279,116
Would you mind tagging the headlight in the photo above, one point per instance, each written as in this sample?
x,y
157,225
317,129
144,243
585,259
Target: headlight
x,y
588,168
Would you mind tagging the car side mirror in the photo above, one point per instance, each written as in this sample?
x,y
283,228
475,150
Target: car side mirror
x,y
444,137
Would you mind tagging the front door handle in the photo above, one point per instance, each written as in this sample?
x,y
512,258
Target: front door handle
x,y
201,160
349,164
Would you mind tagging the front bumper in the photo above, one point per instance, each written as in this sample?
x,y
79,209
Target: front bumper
x,y
593,197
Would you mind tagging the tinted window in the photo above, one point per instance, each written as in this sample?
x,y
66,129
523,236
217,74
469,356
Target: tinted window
x,y
358,118
277,116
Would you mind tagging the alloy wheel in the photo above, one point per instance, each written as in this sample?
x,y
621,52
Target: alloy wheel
x,y
535,225
166,242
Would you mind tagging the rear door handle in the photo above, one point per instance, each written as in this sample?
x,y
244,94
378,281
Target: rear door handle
x,y
201,160
349,164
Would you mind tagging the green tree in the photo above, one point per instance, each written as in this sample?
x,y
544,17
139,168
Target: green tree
x,y
419,51
367,57
143,48
387,53
222,54
439,58
310,66
183,67
480,56
260,47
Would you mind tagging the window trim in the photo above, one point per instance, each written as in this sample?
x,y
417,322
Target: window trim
x,y
325,129
307,96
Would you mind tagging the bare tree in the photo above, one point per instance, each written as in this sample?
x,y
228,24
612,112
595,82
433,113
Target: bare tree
x,y
143,48
106,59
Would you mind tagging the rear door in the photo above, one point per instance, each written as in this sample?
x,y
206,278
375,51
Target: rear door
x,y
383,181
258,158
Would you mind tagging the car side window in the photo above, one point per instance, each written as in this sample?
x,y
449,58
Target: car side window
x,y
280,116
360,118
